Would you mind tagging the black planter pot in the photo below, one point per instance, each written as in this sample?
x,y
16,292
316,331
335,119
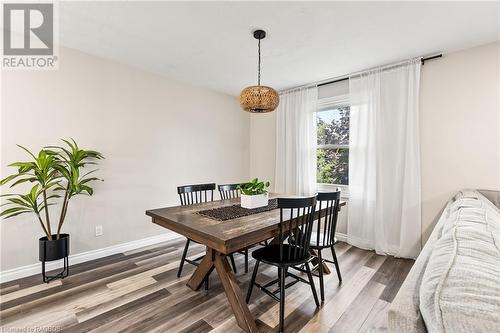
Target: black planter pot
x,y
55,249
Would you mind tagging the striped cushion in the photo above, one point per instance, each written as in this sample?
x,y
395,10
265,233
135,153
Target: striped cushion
x,y
460,290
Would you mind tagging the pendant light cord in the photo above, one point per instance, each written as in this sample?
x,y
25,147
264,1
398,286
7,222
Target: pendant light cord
x,y
259,65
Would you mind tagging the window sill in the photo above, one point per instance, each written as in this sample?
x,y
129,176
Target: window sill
x,y
332,187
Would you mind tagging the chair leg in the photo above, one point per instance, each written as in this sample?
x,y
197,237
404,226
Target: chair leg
x,y
252,280
206,283
186,247
334,255
282,274
232,263
311,283
246,260
320,271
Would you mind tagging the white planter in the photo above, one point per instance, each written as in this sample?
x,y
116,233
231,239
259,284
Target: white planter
x,y
254,201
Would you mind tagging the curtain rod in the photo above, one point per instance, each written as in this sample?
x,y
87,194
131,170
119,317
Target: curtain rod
x,y
346,77
423,60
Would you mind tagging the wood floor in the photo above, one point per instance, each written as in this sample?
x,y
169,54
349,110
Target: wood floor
x,y
138,291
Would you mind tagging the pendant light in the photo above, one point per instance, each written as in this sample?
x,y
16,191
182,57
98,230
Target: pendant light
x,y
259,99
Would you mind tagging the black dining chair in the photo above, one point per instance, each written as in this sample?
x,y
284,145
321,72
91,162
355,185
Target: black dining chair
x,y
323,236
190,195
231,191
296,218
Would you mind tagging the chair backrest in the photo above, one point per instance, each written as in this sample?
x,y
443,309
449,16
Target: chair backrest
x,y
229,191
299,216
193,194
327,221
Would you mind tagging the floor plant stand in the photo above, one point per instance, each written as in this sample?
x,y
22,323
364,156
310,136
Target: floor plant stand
x,y
51,250
61,275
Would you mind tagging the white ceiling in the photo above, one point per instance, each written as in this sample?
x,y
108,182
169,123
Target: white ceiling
x,y
210,44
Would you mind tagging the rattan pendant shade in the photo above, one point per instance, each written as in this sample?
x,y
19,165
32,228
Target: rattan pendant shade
x,y
259,99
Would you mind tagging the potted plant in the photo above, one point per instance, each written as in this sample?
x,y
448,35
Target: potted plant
x,y
254,194
55,173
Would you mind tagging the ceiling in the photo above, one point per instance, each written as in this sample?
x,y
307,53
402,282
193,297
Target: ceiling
x,y
210,44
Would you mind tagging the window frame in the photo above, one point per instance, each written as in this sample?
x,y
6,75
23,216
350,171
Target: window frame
x,y
325,104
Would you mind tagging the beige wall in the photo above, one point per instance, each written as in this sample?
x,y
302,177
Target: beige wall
x,y
263,146
155,134
459,128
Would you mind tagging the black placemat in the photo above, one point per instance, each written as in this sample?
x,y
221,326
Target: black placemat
x,y
235,211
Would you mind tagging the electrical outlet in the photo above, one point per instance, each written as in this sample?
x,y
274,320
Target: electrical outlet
x,y
98,230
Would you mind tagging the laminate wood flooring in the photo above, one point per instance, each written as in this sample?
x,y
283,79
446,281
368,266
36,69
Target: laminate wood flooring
x,y
138,291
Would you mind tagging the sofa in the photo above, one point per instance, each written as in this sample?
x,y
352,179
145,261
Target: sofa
x,y
454,285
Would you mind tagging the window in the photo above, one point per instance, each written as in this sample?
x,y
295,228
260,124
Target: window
x,y
333,144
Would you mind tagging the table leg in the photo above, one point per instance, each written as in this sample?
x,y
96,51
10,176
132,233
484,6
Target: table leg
x,y
234,294
203,270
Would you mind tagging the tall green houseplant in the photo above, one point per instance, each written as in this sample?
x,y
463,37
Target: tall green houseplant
x,y
55,172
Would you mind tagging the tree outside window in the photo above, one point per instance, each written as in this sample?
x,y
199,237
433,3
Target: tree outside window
x,y
333,145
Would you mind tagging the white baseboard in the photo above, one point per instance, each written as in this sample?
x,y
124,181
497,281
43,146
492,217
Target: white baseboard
x,y
28,270
341,237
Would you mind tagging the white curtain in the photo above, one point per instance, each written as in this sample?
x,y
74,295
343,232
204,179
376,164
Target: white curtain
x,y
296,142
384,161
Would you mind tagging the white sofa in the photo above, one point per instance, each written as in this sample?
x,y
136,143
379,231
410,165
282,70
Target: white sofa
x,y
454,285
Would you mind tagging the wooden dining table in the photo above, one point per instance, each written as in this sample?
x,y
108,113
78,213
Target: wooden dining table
x,y
222,238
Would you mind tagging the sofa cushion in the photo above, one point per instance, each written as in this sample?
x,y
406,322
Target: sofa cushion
x,y
460,289
468,194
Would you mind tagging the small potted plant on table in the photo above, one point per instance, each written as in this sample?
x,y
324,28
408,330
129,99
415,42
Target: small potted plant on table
x,y
254,194
55,170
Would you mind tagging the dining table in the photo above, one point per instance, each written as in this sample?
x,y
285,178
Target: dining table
x,y
221,238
